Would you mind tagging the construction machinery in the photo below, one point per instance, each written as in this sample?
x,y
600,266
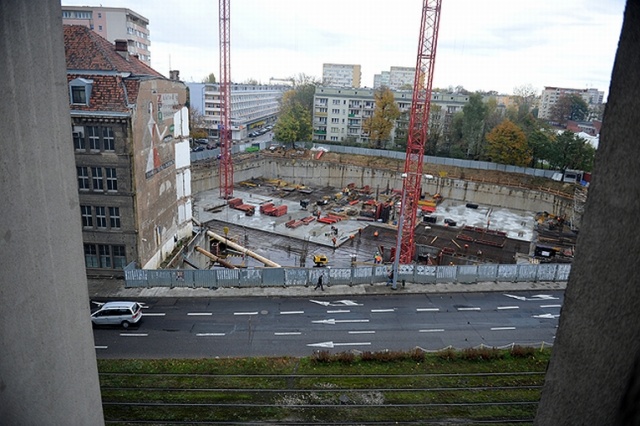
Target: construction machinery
x,y
320,260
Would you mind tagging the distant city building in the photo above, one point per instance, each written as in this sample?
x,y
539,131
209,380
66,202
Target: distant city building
x,y
397,78
252,106
341,75
551,95
130,137
113,23
339,113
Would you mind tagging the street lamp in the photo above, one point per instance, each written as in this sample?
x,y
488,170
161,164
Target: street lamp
x,y
396,260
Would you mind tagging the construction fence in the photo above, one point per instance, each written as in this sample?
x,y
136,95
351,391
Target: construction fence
x,y
279,277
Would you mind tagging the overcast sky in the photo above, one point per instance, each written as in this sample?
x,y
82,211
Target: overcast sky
x,y
482,44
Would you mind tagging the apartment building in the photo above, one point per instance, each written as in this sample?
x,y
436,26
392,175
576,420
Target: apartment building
x,y
339,113
550,95
341,75
113,23
397,78
131,142
252,106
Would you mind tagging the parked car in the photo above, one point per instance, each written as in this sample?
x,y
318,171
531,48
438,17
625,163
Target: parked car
x,y
198,148
254,134
202,141
117,313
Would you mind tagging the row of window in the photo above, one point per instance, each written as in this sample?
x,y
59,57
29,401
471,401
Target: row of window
x,y
96,217
97,179
94,139
104,256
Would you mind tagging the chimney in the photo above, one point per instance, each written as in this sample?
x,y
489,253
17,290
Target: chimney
x,y
122,48
174,75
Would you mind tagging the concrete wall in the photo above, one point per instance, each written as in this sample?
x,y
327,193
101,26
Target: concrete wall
x,y
320,174
48,372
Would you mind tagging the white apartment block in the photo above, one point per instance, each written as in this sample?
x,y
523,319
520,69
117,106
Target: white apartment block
x,y
113,23
397,78
341,75
339,113
252,106
550,95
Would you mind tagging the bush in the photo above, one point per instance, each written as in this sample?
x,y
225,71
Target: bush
x,y
447,354
481,354
522,352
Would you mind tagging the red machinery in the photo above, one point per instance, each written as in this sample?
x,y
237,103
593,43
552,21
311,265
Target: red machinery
x,y
418,124
224,128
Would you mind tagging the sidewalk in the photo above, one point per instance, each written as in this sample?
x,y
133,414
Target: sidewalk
x,y
114,289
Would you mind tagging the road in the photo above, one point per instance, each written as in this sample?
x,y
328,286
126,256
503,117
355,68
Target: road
x,y
240,327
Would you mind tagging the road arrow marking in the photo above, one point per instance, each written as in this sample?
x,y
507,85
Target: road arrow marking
x,y
335,321
534,297
332,344
319,302
336,303
516,297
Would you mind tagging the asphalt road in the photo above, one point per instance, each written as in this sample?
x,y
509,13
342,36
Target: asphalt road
x,y
240,327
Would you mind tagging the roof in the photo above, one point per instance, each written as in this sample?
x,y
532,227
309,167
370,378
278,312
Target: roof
x,y
115,79
87,51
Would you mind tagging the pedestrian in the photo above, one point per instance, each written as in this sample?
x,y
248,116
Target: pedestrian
x,y
390,280
320,282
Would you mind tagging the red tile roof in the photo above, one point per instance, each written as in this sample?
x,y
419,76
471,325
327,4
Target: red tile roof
x,y
86,50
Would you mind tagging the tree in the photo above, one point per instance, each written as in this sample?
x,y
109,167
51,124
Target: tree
x,y
211,78
524,97
569,151
434,136
569,107
251,81
380,124
197,124
507,144
294,124
473,125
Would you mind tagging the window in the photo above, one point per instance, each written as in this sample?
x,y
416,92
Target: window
x,y
96,173
90,256
334,138
83,178
335,111
108,139
119,258
93,134
87,218
336,102
80,91
334,130
335,120
105,257
112,180
79,143
101,217
114,217
99,27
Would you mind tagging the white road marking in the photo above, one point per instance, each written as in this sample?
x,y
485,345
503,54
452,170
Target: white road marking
x,y
547,316
502,328
288,333
154,314
339,311
508,307
331,344
347,303
245,313
134,334
382,310
209,334
432,330
550,306
291,312
201,314
336,303
101,347
469,309
534,297
335,321
363,332
427,309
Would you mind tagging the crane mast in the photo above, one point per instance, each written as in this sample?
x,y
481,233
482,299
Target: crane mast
x,y
418,125
224,128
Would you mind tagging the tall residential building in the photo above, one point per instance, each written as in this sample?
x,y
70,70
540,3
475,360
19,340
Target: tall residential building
x,y
397,78
252,106
550,95
339,113
341,75
130,130
113,23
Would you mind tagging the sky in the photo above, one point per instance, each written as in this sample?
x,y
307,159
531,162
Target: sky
x,y
482,44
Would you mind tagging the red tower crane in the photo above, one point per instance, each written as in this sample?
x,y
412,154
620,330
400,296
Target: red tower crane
x,y
224,128
418,125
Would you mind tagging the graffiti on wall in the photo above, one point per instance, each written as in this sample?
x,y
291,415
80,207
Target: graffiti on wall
x,y
160,133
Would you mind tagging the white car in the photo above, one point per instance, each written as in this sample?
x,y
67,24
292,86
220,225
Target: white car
x,y
117,313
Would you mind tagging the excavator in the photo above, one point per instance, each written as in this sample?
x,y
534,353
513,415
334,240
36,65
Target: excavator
x,y
320,260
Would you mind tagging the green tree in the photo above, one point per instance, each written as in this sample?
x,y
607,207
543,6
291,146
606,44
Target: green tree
x,y
524,97
435,135
197,124
473,126
569,151
380,124
569,107
211,78
507,144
